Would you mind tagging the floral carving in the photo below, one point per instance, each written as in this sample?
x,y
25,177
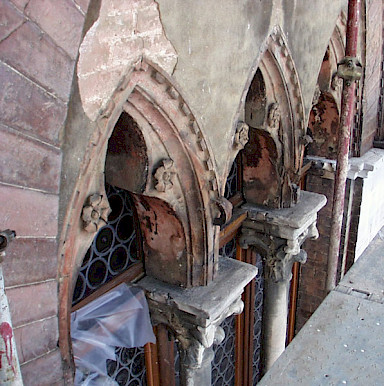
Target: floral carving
x,y
336,83
241,136
95,213
164,176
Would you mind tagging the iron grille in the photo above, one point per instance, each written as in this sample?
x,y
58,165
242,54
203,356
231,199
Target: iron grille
x,y
113,249
257,327
223,364
129,367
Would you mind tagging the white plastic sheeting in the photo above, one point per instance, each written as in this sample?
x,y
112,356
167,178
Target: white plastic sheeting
x,y
119,318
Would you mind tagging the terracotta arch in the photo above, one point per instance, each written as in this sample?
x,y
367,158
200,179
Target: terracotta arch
x,y
176,148
284,132
323,123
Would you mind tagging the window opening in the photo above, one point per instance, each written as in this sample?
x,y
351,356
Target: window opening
x,y
114,249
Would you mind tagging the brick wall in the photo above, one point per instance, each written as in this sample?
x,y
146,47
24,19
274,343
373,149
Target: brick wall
x,y
313,273
39,42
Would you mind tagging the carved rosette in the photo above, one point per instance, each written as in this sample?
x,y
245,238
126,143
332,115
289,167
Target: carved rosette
x,y
164,176
95,213
241,136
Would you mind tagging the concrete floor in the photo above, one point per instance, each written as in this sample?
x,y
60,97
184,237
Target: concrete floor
x,y
343,342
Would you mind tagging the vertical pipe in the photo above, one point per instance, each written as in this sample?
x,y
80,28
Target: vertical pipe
x,y
347,229
293,302
346,119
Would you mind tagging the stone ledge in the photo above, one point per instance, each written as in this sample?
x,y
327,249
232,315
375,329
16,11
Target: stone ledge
x,y
358,167
205,304
286,223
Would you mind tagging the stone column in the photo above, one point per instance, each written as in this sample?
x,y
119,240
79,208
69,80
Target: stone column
x,y
277,234
194,315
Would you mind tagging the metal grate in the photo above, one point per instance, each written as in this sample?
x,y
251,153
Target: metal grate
x,y
257,327
223,364
129,367
113,249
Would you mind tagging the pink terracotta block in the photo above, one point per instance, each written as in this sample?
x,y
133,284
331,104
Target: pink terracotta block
x,y
59,19
30,261
23,105
83,4
20,3
32,302
36,339
28,212
43,371
39,59
10,19
27,162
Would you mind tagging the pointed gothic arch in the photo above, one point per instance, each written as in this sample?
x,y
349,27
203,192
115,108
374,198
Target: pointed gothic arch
x,y
176,195
273,108
324,117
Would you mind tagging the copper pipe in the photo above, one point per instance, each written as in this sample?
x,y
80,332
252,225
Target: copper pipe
x,y
346,119
293,302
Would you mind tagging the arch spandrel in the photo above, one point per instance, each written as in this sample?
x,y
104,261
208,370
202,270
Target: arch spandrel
x,y
122,36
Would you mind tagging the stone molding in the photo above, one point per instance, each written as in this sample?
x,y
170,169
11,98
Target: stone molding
x,y
358,167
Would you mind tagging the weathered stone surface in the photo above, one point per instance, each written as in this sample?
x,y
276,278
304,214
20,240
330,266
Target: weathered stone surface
x,y
20,3
28,212
32,302
36,339
83,4
25,106
39,59
45,370
61,20
10,19
288,222
27,162
115,43
30,261
232,40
